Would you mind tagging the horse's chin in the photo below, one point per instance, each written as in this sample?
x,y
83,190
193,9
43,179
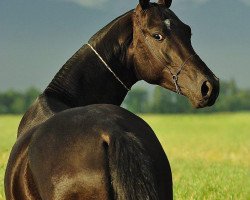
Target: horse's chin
x,y
201,103
197,104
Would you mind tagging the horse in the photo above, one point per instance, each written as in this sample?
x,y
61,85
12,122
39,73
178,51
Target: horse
x,y
76,143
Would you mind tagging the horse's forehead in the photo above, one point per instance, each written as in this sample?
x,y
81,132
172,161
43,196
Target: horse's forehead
x,y
163,17
164,13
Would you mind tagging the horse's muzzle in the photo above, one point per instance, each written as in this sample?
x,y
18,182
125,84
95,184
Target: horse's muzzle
x,y
209,93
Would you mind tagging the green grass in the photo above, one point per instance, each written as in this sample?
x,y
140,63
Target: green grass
x,y
209,154
8,130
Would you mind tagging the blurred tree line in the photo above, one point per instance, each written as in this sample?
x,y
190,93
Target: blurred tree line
x,y
141,100
14,102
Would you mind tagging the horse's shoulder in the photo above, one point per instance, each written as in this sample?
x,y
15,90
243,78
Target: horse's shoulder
x,y
37,113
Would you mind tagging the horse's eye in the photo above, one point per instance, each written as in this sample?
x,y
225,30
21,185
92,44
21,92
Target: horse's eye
x,y
158,37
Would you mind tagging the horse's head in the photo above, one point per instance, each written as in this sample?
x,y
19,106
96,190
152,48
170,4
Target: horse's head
x,y
163,54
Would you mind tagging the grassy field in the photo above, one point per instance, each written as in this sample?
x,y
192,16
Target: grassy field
x,y
209,154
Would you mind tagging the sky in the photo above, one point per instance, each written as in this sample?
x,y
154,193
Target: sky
x,y
38,37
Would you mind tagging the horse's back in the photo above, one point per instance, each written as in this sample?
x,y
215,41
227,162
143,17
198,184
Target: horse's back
x,y
68,153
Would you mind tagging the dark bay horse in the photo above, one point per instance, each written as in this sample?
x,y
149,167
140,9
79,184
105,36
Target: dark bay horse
x,y
74,145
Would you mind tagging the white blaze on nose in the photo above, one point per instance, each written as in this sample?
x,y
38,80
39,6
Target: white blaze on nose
x,y
167,22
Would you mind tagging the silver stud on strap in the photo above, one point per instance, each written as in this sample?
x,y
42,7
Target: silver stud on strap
x,y
175,80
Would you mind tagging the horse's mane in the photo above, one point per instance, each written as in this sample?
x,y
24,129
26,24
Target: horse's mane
x,y
108,34
112,25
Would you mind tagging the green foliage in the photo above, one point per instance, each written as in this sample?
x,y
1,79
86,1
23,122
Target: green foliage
x,y
14,102
137,100
209,154
165,101
231,99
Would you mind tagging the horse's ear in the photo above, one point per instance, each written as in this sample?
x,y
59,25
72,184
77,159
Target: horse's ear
x,y
167,3
144,4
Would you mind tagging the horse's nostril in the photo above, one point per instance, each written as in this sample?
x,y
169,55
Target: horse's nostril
x,y
206,88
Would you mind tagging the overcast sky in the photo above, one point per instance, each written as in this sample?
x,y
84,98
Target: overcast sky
x,y
38,36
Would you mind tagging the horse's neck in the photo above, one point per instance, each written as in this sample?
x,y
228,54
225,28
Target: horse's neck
x,y
85,80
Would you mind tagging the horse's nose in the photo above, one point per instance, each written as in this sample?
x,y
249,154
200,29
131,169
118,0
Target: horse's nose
x,y
210,91
206,89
